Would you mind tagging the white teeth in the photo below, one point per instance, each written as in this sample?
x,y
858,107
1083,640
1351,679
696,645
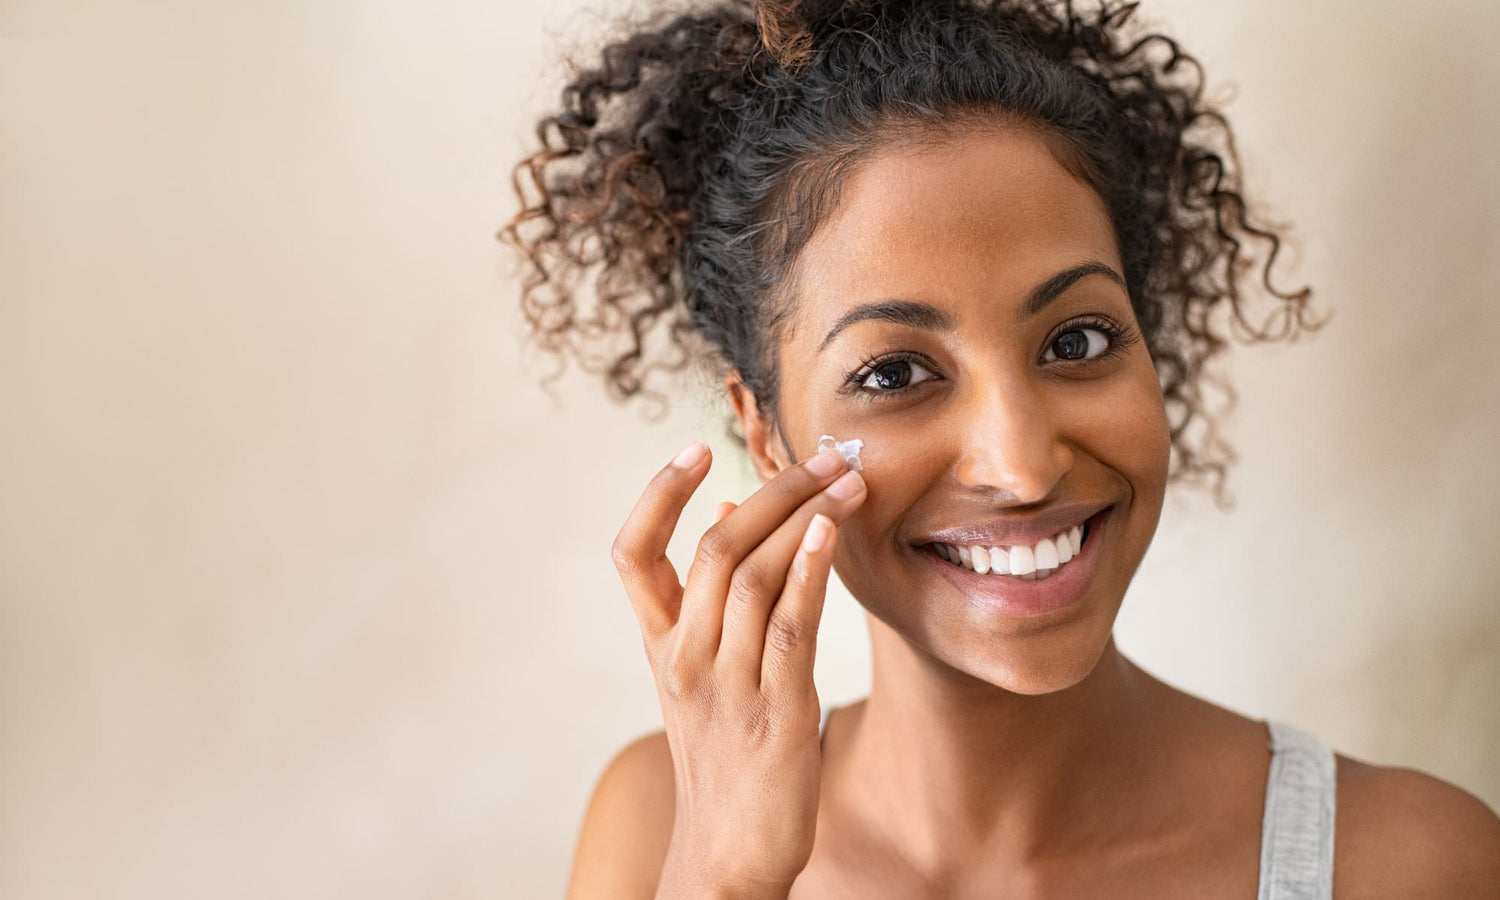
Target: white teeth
x,y
1065,549
1046,554
1022,561
1028,563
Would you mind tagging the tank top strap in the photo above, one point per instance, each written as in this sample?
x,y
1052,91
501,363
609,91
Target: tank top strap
x,y
1296,843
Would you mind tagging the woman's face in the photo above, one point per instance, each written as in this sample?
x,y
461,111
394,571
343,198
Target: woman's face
x,y
998,402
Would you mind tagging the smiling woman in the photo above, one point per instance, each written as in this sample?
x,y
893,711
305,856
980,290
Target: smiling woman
x,y
999,243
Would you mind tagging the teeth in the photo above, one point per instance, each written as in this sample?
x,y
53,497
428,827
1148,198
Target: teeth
x,y
1022,560
1046,554
1028,563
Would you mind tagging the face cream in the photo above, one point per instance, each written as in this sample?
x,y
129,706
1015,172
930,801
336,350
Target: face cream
x,y
849,450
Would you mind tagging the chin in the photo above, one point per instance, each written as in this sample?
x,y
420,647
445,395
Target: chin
x,y
1043,661
1035,670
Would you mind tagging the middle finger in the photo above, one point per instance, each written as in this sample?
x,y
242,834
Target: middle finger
x,y
757,584
725,545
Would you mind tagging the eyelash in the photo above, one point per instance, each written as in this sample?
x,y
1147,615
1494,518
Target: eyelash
x,y
1120,339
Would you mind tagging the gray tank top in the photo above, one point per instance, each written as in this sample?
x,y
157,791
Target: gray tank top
x,y
1296,837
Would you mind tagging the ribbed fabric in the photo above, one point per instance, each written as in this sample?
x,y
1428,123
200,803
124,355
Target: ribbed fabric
x,y
1296,839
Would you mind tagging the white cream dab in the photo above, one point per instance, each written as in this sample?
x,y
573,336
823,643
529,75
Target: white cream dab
x,y
849,450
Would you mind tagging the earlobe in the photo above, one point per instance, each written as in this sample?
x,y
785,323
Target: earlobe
x,y
761,440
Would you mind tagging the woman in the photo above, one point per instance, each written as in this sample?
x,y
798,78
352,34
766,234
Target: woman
x,y
996,242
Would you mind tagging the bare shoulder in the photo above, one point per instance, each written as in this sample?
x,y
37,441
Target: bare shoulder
x,y
622,843
1403,833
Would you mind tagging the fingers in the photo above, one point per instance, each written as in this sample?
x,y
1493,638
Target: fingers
x,y
761,578
640,549
724,508
725,546
791,636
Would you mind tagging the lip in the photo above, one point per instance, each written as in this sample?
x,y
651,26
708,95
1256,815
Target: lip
x,y
1011,531
1055,595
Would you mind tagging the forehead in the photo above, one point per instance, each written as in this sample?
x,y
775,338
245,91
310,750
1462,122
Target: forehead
x,y
969,222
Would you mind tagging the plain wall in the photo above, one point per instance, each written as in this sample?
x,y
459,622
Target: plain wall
x,y
304,581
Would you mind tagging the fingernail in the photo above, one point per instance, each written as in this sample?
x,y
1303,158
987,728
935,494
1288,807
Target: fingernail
x,y
825,463
817,533
846,487
690,457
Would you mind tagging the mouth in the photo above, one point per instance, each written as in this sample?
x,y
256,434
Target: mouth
x,y
1024,579
1032,562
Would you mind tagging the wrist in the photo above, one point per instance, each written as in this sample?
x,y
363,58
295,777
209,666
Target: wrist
x,y
680,880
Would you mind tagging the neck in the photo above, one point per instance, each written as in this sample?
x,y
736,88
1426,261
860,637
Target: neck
x,y
953,768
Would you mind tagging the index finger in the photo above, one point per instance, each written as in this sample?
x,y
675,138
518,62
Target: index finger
x,y
640,549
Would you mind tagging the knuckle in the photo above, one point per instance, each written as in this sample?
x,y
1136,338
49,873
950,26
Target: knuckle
x,y
625,554
716,546
784,635
748,585
678,678
761,725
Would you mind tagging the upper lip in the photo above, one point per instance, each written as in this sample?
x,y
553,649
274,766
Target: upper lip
x,y
1012,530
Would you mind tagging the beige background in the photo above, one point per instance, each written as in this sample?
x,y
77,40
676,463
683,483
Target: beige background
x,y
305,581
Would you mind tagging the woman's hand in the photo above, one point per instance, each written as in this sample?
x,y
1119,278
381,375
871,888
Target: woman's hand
x,y
732,655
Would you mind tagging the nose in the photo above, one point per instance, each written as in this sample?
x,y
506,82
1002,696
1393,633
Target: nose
x,y
1013,441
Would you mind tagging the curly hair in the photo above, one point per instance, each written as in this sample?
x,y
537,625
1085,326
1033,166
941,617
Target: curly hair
x,y
688,168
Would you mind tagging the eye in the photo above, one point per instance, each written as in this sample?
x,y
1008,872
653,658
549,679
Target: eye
x,y
894,375
1083,341
889,375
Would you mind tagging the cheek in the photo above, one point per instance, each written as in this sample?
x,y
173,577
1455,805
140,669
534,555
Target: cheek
x,y
896,462
1130,431
893,444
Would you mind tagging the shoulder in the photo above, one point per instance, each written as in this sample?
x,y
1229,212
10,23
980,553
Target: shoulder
x,y
622,843
1400,832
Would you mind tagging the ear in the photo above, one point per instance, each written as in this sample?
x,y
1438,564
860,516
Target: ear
x,y
761,437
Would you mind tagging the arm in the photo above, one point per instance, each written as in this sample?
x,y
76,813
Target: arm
x,y
628,825
627,831
1404,833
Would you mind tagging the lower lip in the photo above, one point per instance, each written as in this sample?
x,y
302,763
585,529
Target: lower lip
x,y
1019,598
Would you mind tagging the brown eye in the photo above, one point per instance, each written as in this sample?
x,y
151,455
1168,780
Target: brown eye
x,y
1078,344
893,375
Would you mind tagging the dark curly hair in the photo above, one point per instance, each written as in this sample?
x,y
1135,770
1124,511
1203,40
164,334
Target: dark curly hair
x,y
689,167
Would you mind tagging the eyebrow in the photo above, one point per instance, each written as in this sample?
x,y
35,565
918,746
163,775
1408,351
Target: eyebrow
x,y
925,316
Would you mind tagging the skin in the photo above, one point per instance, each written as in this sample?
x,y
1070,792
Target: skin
x,y
994,756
